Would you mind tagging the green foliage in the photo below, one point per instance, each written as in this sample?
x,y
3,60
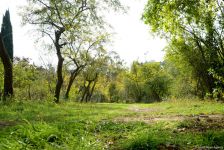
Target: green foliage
x,y
218,92
113,92
147,82
28,78
194,31
76,26
182,81
7,35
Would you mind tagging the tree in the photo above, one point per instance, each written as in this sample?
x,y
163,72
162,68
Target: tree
x,y
82,53
194,29
113,92
134,83
92,72
28,77
7,35
62,21
8,88
183,81
89,85
147,82
6,54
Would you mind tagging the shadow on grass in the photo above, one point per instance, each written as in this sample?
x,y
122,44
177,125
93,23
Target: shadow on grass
x,y
156,141
158,137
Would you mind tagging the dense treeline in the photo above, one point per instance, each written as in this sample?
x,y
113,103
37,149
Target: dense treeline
x,y
106,81
194,30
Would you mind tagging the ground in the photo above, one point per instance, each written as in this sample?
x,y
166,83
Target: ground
x,y
180,124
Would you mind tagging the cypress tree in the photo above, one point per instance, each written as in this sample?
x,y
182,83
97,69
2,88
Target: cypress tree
x,y
6,54
7,35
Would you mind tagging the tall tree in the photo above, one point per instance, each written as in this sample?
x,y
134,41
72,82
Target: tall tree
x,y
96,68
63,20
7,34
82,53
194,30
8,88
6,54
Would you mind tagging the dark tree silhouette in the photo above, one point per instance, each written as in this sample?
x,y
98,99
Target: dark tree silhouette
x,y
7,35
6,54
8,88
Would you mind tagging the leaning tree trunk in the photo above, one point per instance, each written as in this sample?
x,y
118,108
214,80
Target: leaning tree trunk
x,y
71,80
60,65
85,92
92,90
8,81
73,76
93,87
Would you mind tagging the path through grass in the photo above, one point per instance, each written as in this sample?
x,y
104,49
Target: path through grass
x,y
166,125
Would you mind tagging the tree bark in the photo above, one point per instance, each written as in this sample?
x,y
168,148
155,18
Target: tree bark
x,y
84,92
92,90
60,64
8,75
71,80
73,75
59,80
88,91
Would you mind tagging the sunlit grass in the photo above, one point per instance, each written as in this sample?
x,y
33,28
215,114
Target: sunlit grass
x,y
42,125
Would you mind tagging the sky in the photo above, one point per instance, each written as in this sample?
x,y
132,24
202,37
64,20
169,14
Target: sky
x,y
132,39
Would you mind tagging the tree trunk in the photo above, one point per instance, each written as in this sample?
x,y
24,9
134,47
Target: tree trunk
x,y
74,74
60,65
60,79
84,94
93,87
8,76
71,80
92,90
88,91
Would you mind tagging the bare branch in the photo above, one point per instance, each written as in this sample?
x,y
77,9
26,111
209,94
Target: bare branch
x,y
48,35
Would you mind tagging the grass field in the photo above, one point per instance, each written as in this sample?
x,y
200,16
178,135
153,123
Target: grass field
x,y
167,125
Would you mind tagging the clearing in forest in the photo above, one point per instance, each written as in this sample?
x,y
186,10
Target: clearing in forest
x,y
166,125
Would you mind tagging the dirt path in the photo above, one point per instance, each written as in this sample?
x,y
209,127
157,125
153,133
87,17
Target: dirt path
x,y
150,119
141,116
7,123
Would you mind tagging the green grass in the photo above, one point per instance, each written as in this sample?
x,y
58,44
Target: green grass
x,y
35,125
